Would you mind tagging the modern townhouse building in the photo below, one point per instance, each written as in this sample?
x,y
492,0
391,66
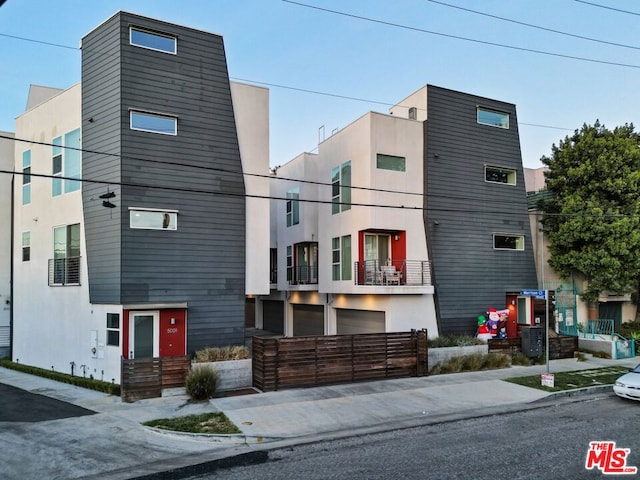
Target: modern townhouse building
x,y
6,186
408,220
141,193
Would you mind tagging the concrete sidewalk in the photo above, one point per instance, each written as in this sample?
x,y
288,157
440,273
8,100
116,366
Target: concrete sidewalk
x,y
113,445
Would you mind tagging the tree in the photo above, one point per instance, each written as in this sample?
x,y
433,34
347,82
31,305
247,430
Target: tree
x,y
592,218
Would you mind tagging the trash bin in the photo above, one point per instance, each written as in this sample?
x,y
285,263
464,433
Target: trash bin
x,y
531,341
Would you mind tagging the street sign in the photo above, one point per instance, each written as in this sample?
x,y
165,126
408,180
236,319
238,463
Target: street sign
x,y
533,293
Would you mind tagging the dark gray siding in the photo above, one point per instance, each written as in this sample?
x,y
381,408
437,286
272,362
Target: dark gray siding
x,y
463,211
198,172
101,133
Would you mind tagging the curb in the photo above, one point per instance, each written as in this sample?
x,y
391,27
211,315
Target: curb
x,y
226,439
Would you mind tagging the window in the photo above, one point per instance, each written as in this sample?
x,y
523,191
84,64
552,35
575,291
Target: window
x,y
64,267
289,263
293,207
413,113
390,162
26,177
26,246
341,258
113,329
492,118
341,188
66,162
153,40
499,175
152,219
154,122
505,241
273,262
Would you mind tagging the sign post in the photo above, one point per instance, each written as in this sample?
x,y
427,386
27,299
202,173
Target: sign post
x,y
541,294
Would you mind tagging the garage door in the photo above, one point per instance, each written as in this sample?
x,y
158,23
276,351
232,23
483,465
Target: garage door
x,y
351,322
308,320
273,316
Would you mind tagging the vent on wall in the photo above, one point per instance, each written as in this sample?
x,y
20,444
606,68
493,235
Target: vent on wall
x,y
413,113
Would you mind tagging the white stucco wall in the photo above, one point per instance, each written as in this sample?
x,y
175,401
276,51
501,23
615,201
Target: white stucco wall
x,y
54,326
251,110
6,164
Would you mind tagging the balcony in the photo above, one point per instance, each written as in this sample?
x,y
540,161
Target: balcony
x,y
302,275
393,273
64,271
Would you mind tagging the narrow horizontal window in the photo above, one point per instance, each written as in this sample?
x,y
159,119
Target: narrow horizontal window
x,y
502,241
154,122
153,40
153,219
493,118
499,175
390,162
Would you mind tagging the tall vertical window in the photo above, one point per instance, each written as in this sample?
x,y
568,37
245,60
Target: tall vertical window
x,y
26,246
56,153
289,263
293,207
341,258
341,188
66,162
64,268
113,329
26,177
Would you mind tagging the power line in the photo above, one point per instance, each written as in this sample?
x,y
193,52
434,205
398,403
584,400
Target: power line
x,y
316,201
25,39
458,37
608,8
559,32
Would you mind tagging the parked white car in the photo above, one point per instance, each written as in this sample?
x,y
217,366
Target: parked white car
x,y
628,385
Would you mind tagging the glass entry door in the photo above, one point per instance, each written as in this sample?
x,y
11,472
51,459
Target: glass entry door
x,y
377,249
143,335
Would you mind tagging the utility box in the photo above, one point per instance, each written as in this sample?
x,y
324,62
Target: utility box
x,y
531,338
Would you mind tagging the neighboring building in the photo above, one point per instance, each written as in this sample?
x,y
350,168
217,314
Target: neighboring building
x,y
149,254
6,186
569,308
421,222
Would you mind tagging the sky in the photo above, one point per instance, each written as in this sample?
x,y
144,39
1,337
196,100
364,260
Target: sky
x,y
368,54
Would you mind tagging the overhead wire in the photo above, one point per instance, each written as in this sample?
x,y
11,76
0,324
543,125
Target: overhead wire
x,y
608,7
459,37
546,29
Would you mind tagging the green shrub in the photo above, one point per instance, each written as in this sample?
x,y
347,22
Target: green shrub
x,y
519,358
471,363
202,383
454,341
84,382
219,354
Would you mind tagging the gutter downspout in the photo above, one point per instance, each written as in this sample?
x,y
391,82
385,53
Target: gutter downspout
x,y
11,249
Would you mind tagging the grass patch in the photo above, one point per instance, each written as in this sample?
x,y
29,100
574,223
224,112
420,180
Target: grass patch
x,y
471,363
84,382
212,423
573,380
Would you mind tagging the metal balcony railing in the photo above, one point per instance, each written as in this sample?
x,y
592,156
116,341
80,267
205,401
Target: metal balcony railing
x,y
64,271
393,272
303,275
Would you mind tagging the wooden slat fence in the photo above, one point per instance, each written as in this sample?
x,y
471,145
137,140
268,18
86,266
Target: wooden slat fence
x,y
147,377
562,346
309,361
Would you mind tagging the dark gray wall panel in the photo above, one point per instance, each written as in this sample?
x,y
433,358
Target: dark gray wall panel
x,y
197,172
469,275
